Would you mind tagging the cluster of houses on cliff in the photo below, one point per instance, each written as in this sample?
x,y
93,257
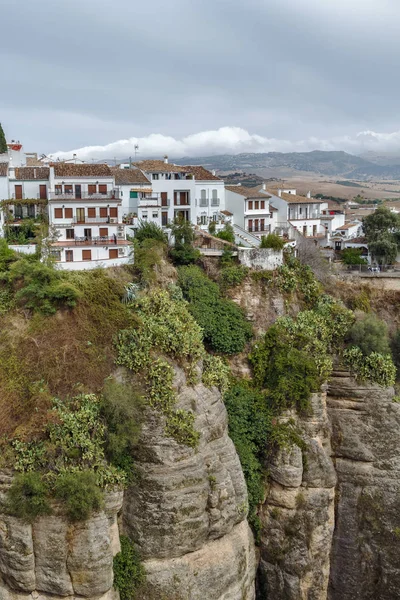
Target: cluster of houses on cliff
x,y
93,209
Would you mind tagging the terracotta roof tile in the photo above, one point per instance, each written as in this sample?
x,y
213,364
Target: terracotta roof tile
x,y
129,176
246,192
84,170
201,174
31,173
226,213
3,169
296,199
159,166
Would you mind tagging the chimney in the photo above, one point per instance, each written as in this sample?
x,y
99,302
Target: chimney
x,y
166,159
34,173
264,186
213,172
308,194
280,193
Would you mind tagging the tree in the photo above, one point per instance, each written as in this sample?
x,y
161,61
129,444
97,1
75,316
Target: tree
x,y
384,249
272,241
3,142
382,221
183,252
352,256
227,234
150,230
370,335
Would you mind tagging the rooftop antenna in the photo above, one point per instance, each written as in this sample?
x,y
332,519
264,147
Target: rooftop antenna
x,y
136,148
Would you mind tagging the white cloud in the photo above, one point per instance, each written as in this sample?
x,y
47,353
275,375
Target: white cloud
x,y
231,140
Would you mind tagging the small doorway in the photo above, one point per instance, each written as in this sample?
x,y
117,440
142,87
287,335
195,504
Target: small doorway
x,y
69,256
18,192
88,234
78,191
80,215
305,230
43,192
164,219
314,230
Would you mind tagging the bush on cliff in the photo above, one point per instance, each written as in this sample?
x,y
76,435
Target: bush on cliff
x,y
129,574
272,241
224,324
370,334
80,494
27,497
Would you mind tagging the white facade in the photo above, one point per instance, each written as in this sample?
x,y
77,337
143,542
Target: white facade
x,y
251,210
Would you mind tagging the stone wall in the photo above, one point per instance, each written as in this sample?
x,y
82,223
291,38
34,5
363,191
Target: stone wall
x,y
260,258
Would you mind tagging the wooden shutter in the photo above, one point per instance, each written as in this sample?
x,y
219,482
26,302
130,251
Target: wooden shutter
x,y
18,192
43,192
58,213
262,224
103,211
68,213
262,204
114,211
250,224
256,205
69,255
103,231
164,198
92,189
86,255
91,212
102,188
250,205
113,253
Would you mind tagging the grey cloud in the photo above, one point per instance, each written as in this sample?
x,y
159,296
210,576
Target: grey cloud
x,y
83,72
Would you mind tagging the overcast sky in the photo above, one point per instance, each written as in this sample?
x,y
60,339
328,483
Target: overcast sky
x,y
200,76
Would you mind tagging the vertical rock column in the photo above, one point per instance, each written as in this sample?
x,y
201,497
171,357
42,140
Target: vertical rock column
x,y
366,443
298,515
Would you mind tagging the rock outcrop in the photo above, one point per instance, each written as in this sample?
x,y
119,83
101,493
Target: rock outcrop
x,y
297,518
365,561
188,512
52,558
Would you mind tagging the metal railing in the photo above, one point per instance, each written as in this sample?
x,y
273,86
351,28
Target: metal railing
x,y
86,219
109,195
214,201
90,241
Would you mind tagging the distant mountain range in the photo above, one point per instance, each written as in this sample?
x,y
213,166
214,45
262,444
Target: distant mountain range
x,y
334,164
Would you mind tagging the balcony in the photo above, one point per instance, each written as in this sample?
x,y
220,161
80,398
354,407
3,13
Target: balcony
x,y
86,219
181,203
149,202
24,196
109,195
214,201
203,202
93,241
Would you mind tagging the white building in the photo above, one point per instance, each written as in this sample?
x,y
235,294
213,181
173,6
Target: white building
x,y
139,202
85,211
251,210
188,192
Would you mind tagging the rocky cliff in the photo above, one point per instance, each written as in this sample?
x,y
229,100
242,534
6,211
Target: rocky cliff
x,y
187,513
365,562
298,515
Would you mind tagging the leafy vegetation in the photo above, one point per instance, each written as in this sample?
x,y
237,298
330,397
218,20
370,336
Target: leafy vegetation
x,y
224,325
272,241
382,230
216,373
27,497
352,256
232,275
165,327
227,234
370,334
80,494
129,573
148,230
375,367
3,143
183,252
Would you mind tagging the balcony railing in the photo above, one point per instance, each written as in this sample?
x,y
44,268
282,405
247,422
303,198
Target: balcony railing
x,y
149,202
86,219
181,203
203,202
93,241
27,197
214,201
109,195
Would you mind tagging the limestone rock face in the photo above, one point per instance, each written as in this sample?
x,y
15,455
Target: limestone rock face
x,y
298,515
366,444
57,559
188,513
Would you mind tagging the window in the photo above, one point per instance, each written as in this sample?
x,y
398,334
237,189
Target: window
x,y
144,215
56,254
103,188
69,255
155,215
70,233
103,231
133,194
262,204
300,210
91,212
270,215
262,224
103,211
31,210
58,213
203,198
256,205
155,176
87,233
164,219
68,189
68,213
250,224
203,219
58,189
80,215
114,212
250,205
256,225
86,255
92,189
164,199
113,253
18,192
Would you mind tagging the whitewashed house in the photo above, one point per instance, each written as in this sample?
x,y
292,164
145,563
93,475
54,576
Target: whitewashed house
x,y
188,192
139,202
85,213
251,210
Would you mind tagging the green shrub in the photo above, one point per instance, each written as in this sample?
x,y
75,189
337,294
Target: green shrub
x,y
352,256
183,252
148,255
212,226
27,497
272,241
375,367
224,324
226,258
129,573
361,302
80,494
216,373
149,230
227,234
232,276
370,334
165,327
121,407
